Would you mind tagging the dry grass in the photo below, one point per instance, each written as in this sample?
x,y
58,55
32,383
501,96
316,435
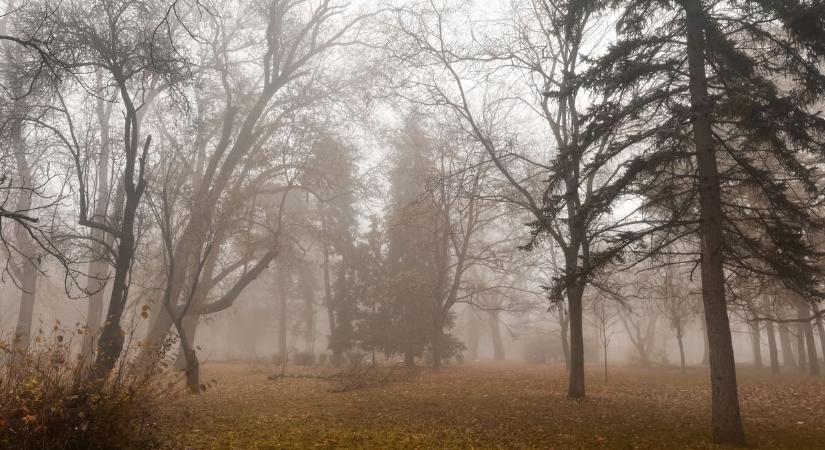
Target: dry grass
x,y
490,406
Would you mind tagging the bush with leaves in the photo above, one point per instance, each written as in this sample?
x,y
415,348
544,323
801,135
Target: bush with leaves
x,y
47,402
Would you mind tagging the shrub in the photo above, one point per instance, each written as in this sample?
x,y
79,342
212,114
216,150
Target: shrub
x,y
47,403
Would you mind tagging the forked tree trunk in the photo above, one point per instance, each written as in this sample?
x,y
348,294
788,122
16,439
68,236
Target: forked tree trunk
x,y
495,335
26,246
27,272
726,418
680,340
99,268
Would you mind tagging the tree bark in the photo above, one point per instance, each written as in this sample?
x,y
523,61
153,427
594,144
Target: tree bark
x,y
472,335
309,313
283,293
706,346
28,272
806,330
726,418
495,335
110,342
564,325
438,343
813,361
788,359
28,289
821,329
679,339
801,351
756,344
772,350
99,268
576,388
336,352
769,329
190,327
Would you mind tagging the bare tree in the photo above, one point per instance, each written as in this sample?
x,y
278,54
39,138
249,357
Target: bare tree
x,y
294,36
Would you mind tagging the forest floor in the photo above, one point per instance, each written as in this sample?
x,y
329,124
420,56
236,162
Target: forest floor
x,y
489,405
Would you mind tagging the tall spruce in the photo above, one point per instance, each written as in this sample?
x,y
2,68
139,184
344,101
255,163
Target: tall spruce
x,y
724,91
410,246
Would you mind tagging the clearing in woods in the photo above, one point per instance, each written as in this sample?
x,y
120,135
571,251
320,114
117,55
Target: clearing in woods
x,y
489,405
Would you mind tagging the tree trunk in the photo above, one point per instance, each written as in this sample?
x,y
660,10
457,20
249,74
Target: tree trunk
x,y
576,388
564,330
192,372
409,359
336,351
309,323
190,327
283,293
706,347
801,351
495,334
28,288
772,347
26,246
679,339
807,331
725,414
438,343
813,361
110,342
604,347
788,359
756,344
98,271
769,329
99,268
472,335
821,329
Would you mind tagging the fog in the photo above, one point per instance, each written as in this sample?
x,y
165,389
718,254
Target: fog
x,y
218,213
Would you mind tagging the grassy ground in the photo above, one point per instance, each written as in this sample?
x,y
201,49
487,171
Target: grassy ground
x,y
490,406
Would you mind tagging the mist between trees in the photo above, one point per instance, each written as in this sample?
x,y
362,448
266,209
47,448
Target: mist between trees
x,y
421,183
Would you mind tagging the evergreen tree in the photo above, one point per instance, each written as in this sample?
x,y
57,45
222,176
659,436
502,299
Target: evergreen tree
x,y
330,175
411,258
709,100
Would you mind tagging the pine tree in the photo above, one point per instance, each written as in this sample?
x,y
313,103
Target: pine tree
x,y
725,91
411,259
330,175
